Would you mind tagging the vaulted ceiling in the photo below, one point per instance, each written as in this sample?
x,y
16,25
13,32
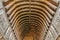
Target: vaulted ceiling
x,y
30,19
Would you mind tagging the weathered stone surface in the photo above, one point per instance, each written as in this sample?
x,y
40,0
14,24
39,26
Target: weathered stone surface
x,y
5,28
56,21
49,36
54,29
53,32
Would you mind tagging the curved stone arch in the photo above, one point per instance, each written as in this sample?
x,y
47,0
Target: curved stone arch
x,y
14,9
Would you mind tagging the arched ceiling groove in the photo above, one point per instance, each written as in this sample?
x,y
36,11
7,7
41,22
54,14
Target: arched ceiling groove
x,y
30,16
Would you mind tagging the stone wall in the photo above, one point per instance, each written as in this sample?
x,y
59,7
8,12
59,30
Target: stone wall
x,y
54,30
6,32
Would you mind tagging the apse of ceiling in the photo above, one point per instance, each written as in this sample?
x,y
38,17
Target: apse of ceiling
x,y
30,17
